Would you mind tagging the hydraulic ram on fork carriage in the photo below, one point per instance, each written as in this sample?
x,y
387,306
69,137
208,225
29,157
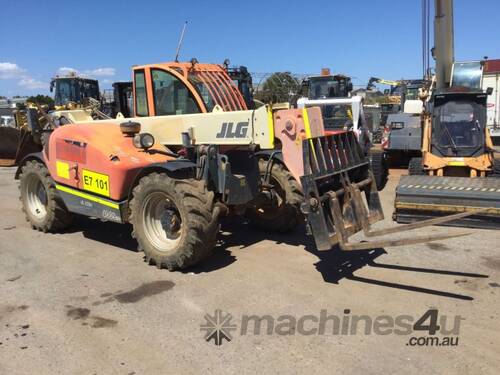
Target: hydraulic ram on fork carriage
x,y
341,196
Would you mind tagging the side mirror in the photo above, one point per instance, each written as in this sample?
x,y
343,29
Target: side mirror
x,y
489,91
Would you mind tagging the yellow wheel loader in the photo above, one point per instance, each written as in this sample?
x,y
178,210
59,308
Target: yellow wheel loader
x,y
32,122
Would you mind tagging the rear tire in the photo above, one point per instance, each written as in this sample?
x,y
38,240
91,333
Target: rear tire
x,y
285,214
379,167
416,167
173,220
42,205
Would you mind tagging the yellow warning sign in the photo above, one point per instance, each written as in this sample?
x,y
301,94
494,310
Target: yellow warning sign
x,y
62,169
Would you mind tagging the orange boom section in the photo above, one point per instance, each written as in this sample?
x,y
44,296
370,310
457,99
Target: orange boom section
x,y
98,159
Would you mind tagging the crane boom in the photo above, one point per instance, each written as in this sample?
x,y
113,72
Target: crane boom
x,y
443,50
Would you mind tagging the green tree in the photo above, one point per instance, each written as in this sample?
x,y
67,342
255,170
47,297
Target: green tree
x,y
41,100
278,87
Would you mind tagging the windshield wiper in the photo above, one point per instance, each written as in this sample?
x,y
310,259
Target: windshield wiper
x,y
453,145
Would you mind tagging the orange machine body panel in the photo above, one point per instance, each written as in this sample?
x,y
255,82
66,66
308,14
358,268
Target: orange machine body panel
x,y
98,159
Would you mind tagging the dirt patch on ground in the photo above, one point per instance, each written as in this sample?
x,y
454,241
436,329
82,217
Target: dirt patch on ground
x,y
100,322
492,262
78,313
145,290
437,246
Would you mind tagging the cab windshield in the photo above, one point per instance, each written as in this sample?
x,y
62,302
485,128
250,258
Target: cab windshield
x,y
412,93
460,127
337,117
323,87
65,91
75,90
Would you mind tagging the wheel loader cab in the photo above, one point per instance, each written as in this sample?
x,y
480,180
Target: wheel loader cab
x,y
74,89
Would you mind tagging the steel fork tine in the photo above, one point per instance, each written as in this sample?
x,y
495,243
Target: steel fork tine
x,y
404,241
421,224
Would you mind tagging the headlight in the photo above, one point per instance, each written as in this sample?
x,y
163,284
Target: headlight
x,y
144,140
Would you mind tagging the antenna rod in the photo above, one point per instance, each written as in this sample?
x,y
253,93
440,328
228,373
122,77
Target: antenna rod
x,y
180,42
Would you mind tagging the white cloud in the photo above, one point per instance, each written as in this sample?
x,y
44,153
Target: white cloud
x,y
98,72
32,84
63,71
13,71
10,70
101,72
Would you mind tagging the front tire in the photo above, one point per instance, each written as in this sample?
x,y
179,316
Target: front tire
x,y
42,205
283,214
496,168
416,167
173,220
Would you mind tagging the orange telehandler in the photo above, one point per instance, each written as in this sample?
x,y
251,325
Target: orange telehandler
x,y
194,152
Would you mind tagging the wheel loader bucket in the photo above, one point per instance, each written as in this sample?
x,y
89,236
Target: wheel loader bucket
x,y
9,144
15,144
423,197
341,197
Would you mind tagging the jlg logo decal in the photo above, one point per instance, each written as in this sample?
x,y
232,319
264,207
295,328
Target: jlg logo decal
x,y
227,131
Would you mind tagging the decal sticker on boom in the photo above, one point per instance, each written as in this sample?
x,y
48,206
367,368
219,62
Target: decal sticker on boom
x,y
96,182
240,131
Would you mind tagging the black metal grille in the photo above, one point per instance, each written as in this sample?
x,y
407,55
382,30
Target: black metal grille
x,y
335,168
332,154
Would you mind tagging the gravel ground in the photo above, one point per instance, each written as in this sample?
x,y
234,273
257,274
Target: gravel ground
x,y
84,302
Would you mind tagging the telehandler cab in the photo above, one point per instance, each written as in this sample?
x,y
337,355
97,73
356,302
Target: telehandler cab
x,y
193,153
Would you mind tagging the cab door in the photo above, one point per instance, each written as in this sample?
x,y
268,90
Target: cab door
x,y
159,92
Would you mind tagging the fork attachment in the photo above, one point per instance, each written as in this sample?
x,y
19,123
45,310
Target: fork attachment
x,y
341,197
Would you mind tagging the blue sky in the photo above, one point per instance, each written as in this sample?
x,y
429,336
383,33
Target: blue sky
x,y
104,39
